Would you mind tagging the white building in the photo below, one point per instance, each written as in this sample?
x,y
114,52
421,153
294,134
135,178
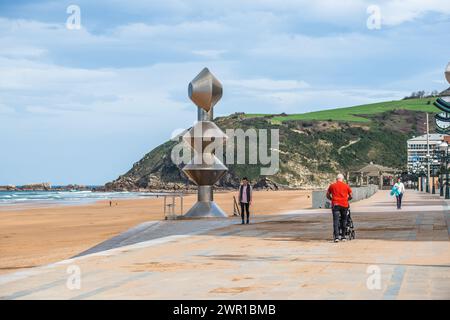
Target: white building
x,y
417,149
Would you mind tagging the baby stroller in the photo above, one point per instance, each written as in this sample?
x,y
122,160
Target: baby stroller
x,y
349,232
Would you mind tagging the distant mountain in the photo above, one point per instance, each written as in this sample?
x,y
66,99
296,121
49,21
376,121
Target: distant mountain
x,y
313,146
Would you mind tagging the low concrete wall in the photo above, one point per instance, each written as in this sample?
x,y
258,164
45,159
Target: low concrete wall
x,y
319,199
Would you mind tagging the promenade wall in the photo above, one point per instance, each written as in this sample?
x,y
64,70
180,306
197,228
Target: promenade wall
x,y
319,199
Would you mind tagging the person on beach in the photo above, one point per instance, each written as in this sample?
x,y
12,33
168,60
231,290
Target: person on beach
x,y
398,189
245,198
339,193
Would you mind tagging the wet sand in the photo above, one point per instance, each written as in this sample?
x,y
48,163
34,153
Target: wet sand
x,y
35,236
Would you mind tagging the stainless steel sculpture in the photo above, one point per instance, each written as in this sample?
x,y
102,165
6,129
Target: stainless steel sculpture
x,y
205,169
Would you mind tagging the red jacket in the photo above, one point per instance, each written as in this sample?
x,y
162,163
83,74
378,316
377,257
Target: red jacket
x,y
339,192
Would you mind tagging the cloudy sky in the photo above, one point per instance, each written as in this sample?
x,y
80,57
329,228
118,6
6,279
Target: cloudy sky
x,y
81,106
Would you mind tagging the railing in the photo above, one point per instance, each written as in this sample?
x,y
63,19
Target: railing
x,y
170,204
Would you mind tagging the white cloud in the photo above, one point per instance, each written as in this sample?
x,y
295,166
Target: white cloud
x,y
53,89
46,85
5,110
265,84
191,29
209,54
395,12
328,98
300,46
44,77
22,52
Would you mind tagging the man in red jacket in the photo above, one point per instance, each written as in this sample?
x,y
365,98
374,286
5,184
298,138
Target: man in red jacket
x,y
339,193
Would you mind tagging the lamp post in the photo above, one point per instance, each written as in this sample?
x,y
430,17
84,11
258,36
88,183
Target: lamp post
x,y
433,187
421,177
441,173
416,174
428,156
420,174
444,148
427,187
447,194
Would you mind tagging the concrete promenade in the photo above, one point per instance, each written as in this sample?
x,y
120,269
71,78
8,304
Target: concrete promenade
x,y
397,254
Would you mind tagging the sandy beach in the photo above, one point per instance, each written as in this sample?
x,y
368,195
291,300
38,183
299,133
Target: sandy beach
x,y
36,236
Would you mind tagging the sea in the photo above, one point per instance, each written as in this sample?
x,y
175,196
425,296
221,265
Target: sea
x,y
11,198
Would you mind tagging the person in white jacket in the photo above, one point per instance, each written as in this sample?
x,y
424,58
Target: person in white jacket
x,y
399,189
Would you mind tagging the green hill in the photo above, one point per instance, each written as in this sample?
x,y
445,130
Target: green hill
x,y
313,146
356,113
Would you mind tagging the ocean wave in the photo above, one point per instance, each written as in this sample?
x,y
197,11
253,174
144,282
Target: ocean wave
x,y
12,197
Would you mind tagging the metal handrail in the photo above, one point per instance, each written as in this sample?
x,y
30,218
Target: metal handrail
x,y
169,208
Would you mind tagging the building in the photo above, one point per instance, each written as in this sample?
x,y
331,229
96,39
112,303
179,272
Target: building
x,y
417,149
445,93
376,174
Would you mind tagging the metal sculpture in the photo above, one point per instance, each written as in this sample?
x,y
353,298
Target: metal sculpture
x,y
205,169
442,119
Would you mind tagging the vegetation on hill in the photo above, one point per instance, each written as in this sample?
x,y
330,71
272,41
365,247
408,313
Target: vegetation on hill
x,y
313,146
357,113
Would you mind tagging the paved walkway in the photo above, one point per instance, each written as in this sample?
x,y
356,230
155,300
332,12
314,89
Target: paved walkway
x,y
398,254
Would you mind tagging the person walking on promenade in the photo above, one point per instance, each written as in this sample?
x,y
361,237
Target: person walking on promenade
x,y
339,193
245,198
398,189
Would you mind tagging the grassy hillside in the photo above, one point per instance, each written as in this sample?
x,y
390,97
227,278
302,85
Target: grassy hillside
x,y
356,113
313,146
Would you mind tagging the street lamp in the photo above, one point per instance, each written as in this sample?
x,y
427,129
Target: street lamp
x,y
441,172
428,173
433,188
421,177
416,185
444,148
417,174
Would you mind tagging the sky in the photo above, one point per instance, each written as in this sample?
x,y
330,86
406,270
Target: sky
x,y
82,105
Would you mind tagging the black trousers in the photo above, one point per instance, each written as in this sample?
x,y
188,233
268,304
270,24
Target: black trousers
x,y
339,215
245,206
399,200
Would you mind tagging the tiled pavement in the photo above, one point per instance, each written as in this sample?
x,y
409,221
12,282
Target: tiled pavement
x,y
287,256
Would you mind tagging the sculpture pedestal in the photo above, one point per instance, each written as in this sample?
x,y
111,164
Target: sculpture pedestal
x,y
205,209
205,206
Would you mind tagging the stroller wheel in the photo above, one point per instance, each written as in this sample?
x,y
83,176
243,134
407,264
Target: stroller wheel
x,y
352,236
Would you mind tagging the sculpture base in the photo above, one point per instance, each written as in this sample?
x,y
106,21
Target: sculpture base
x,y
205,209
